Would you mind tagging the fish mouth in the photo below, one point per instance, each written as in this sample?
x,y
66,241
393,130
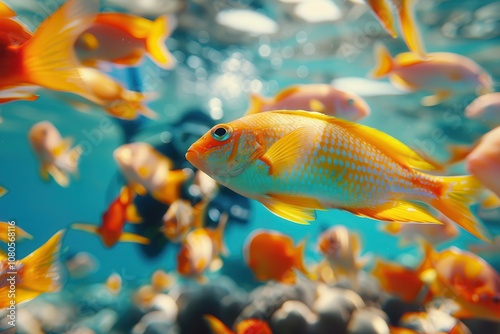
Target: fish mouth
x,y
194,156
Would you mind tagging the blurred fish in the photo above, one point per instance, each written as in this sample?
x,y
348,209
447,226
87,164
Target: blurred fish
x,y
403,282
144,296
9,232
484,161
491,250
148,171
444,74
321,98
37,273
432,321
113,220
247,326
46,59
161,281
207,187
124,39
413,233
271,255
295,162
114,283
113,97
3,191
485,108
341,249
81,265
5,11
54,153
467,279
181,217
200,251
150,8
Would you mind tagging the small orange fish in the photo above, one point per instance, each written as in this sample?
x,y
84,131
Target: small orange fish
x,y
484,161
148,171
200,251
114,283
45,59
401,281
181,217
113,97
467,279
124,39
3,191
55,154
296,162
114,218
37,273
161,281
321,98
9,232
248,326
442,73
341,249
259,247
411,35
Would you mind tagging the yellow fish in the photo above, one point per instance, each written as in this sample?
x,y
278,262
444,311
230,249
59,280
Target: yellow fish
x,y
295,162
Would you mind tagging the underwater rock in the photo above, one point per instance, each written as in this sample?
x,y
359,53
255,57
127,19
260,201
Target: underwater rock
x,y
293,317
368,321
52,318
166,305
269,298
395,308
232,306
368,287
334,308
26,323
155,322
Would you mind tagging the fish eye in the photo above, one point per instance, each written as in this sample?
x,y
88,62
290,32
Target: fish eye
x,y
222,132
350,102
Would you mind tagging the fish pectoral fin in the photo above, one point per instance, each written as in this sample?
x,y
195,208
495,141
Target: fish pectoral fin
x,y
132,215
403,212
139,189
59,176
88,41
131,237
433,100
63,146
86,227
285,153
286,93
296,214
317,105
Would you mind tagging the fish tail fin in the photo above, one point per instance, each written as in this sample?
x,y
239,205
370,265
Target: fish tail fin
x,y
86,228
49,57
59,175
256,103
155,43
460,192
384,14
43,267
409,27
130,105
299,260
216,326
219,234
131,237
385,63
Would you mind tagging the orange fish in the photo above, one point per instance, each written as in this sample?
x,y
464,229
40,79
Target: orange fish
x,y
321,98
295,162
444,74
114,218
124,39
272,256
248,326
113,97
37,273
47,58
401,281
55,154
467,279
114,283
383,12
181,217
200,251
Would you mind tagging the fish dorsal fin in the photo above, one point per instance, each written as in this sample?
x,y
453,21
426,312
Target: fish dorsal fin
x,y
408,59
388,145
286,93
285,153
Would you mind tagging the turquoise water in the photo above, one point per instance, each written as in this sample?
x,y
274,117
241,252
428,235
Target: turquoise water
x,y
215,70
